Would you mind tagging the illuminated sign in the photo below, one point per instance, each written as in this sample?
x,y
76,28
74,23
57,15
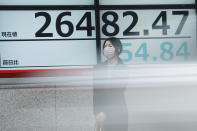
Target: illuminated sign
x,y
152,36
48,38
68,33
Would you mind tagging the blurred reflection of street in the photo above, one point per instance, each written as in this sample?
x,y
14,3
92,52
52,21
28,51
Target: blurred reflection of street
x,y
158,97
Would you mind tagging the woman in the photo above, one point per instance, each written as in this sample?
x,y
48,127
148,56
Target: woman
x,y
112,48
109,103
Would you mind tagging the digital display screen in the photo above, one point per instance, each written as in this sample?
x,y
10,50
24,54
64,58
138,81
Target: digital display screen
x,y
152,36
71,33
48,38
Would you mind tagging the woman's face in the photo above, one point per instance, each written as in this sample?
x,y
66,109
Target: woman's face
x,y
109,50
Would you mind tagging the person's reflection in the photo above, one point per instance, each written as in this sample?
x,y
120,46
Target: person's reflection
x,y
109,103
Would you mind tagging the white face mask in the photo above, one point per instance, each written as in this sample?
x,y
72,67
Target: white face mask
x,y
109,52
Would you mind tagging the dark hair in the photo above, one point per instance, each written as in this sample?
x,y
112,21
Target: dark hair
x,y
116,43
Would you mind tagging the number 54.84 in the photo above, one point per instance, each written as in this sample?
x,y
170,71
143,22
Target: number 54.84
x,y
166,51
